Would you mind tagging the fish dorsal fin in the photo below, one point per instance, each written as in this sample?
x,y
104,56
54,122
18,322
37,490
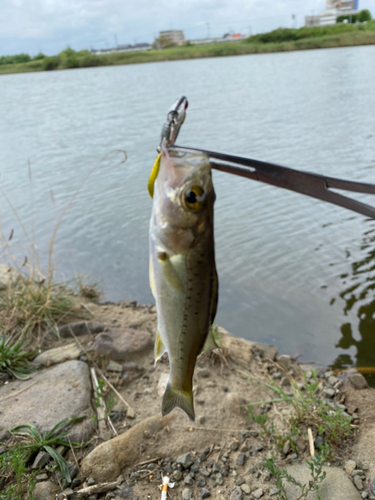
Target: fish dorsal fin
x,y
159,347
210,342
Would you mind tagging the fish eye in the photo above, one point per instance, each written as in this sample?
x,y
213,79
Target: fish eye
x,y
193,198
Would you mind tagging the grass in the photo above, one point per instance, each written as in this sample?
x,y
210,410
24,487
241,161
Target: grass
x,y
16,476
13,360
281,40
309,411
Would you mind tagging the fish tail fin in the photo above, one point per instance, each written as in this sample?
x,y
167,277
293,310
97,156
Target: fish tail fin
x,y
176,397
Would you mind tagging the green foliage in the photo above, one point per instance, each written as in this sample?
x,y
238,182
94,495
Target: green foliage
x,y
15,479
17,58
13,360
315,465
39,56
50,63
362,17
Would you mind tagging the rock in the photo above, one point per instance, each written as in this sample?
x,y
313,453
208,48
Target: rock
x,y
205,472
285,362
286,447
234,446
329,393
335,486
41,477
236,494
58,355
257,493
188,480
358,482
177,475
186,460
131,371
125,491
358,381
240,459
63,391
349,467
45,491
274,491
201,483
90,481
186,494
205,493
319,441
245,488
333,380
113,366
219,478
121,344
107,460
162,384
80,328
41,459
266,351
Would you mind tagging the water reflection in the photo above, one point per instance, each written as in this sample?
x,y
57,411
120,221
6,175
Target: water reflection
x,y
359,307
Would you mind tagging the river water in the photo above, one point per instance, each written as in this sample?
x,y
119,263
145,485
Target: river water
x,y
293,271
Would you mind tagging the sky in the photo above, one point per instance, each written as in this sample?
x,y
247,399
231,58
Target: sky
x,y
49,26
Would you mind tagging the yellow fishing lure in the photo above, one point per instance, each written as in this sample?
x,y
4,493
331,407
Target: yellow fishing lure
x,y
153,175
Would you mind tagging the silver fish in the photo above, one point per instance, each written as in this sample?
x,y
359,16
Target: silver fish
x,y
183,276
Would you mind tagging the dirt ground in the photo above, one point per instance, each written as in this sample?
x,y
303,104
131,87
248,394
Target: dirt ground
x,y
224,381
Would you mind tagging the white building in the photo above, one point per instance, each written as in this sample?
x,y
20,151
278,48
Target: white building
x,y
175,36
335,8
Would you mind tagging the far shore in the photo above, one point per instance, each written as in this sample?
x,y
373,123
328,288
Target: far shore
x,y
72,59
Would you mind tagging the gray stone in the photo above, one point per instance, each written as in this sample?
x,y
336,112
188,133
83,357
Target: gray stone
x,y
113,366
125,491
328,374
186,494
329,393
266,351
286,447
274,491
365,494
201,483
205,493
186,460
41,477
335,486
245,488
63,391
58,355
121,344
257,493
358,381
219,478
177,475
45,491
204,373
236,494
234,446
80,328
333,380
90,481
41,459
240,459
205,472
358,482
188,480
285,362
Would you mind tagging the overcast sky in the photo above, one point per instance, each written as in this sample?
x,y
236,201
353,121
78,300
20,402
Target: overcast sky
x,y
50,25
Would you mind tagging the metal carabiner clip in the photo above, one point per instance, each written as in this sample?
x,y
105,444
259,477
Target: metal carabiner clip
x,y
175,118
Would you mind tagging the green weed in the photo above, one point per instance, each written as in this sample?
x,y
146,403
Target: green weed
x,y
13,360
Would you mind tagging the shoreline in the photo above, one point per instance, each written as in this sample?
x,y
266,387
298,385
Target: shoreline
x,y
347,39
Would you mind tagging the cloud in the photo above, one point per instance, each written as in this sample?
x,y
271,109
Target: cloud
x,y
26,25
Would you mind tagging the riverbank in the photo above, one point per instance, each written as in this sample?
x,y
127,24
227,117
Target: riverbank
x,y
254,410
340,35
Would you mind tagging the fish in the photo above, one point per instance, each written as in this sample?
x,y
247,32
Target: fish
x,y
183,277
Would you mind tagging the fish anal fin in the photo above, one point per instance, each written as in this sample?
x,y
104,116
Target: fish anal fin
x,y
159,348
210,342
174,397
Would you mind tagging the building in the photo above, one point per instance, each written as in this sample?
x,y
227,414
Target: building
x,y
175,36
335,8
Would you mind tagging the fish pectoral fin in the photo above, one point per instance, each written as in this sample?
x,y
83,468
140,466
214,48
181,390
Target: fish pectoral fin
x,y
210,342
159,348
174,397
